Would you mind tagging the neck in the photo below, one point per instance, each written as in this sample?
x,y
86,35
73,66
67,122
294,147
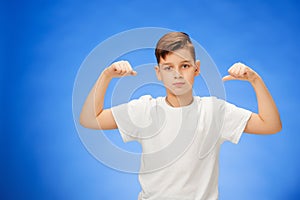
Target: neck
x,y
180,100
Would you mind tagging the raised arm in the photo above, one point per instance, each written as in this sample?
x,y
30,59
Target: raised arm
x,y
92,114
267,121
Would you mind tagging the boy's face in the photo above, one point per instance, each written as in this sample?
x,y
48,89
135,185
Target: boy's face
x,y
177,71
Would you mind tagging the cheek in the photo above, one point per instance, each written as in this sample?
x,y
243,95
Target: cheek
x,y
166,80
167,77
189,77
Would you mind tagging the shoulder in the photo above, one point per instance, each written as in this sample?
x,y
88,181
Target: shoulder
x,y
211,99
212,102
143,101
143,105
215,106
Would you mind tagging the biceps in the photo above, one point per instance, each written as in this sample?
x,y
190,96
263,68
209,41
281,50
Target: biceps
x,y
256,125
106,120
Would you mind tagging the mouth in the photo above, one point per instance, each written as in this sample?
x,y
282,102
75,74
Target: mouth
x,y
178,84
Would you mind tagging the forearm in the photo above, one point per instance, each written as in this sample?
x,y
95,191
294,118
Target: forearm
x,y
267,110
93,105
267,121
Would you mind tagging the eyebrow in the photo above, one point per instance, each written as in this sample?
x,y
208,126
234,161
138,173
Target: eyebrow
x,y
180,62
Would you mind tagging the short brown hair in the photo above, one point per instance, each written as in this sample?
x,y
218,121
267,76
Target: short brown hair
x,y
173,41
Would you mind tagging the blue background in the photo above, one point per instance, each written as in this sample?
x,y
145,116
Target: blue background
x,y
43,44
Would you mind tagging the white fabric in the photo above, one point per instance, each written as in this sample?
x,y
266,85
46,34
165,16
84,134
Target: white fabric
x,y
180,145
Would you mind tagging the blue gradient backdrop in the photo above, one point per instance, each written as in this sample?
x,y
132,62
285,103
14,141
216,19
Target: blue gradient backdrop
x,y
43,44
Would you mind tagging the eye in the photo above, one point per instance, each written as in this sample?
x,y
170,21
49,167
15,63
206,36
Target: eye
x,y
167,68
185,66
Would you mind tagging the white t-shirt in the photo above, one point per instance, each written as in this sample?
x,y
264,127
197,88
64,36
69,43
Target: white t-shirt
x,y
180,159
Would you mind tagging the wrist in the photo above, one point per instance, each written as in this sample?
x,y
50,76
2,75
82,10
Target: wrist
x,y
106,74
255,78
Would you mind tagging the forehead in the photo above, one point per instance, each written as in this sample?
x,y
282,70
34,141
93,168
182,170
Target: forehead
x,y
178,55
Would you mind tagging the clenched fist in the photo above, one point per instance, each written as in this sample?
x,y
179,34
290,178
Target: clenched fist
x,y
120,69
240,71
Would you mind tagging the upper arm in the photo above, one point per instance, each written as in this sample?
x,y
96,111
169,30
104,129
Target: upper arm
x,y
256,125
105,120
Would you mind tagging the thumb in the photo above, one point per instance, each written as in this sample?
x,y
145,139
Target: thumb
x,y
228,78
133,73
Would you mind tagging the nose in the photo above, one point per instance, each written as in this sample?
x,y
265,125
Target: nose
x,y
177,73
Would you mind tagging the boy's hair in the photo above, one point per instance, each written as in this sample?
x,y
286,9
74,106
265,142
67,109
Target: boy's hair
x,y
171,42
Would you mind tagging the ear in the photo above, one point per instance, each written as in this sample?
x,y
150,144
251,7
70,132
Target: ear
x,y
157,71
197,70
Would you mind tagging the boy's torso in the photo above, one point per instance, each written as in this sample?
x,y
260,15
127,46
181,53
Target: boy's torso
x,y
172,156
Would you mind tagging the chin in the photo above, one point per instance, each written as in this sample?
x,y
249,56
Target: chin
x,y
180,92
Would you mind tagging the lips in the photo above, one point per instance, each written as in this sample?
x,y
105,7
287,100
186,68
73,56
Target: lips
x,y
178,84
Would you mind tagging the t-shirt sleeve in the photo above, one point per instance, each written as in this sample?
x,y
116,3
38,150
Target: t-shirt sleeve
x,y
132,116
235,121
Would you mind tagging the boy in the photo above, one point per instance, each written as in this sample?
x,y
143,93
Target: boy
x,y
174,129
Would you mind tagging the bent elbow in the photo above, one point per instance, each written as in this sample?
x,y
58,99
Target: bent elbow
x,y
90,123
279,128
86,124
82,122
276,129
